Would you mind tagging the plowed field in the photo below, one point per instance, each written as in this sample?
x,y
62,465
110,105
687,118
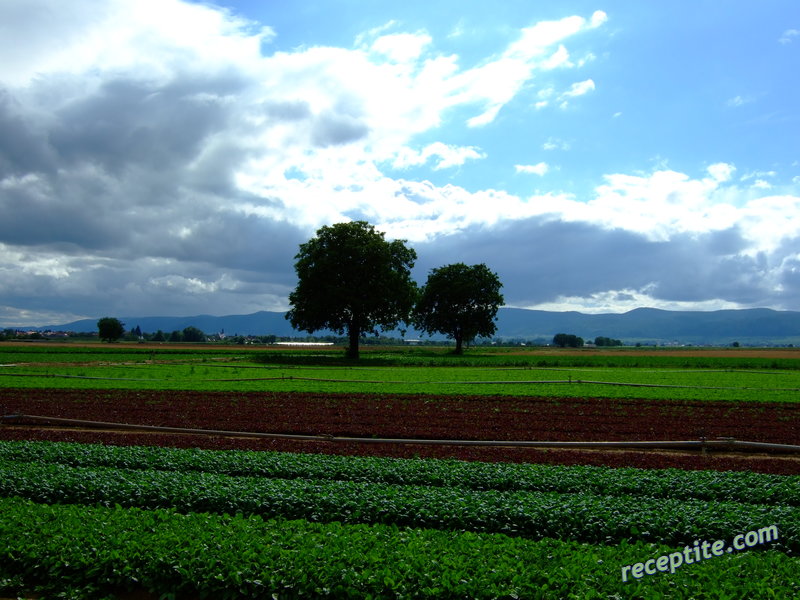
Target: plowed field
x,y
407,416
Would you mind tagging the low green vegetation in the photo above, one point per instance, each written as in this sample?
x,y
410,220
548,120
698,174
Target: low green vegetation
x,y
709,486
101,552
407,371
83,521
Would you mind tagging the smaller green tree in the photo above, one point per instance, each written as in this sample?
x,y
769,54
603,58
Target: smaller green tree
x,y
606,341
459,301
564,340
110,329
193,334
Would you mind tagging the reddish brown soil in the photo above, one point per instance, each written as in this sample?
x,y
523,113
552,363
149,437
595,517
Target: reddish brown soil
x,y
408,416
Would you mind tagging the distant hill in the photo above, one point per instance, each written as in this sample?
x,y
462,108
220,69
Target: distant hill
x,y
759,326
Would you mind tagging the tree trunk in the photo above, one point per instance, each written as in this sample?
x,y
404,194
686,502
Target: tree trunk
x,y
355,333
459,342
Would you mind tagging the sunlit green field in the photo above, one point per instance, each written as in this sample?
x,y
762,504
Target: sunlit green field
x,y
740,377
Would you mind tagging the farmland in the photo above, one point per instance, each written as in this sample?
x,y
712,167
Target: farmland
x,y
97,512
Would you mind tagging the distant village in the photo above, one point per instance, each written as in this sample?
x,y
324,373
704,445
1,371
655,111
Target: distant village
x,y
194,335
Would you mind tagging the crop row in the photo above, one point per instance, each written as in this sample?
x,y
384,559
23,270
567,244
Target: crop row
x,y
535,515
98,552
742,487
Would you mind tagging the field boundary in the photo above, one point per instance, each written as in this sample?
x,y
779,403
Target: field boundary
x,y
702,444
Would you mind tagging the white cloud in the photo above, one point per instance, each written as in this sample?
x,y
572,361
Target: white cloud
x,y
555,144
721,171
402,47
534,40
538,169
737,101
559,58
579,89
598,18
447,155
758,175
82,36
498,80
619,301
788,36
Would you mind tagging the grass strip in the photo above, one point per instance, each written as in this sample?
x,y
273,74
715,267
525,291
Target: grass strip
x,y
96,552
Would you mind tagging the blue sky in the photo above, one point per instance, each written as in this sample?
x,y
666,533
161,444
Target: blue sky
x,y
167,157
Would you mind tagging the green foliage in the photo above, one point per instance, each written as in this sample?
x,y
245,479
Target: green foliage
x,y
406,370
708,486
168,522
101,552
582,517
110,329
193,334
351,279
459,301
567,340
602,341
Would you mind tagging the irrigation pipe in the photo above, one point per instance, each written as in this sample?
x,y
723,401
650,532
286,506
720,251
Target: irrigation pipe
x,y
728,444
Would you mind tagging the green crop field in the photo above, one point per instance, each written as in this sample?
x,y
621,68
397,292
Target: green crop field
x,y
95,521
407,371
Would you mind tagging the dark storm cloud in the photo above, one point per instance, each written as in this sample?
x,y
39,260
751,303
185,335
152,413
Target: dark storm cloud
x,y
137,162
540,259
335,129
23,145
122,197
136,122
143,286
248,243
288,111
68,210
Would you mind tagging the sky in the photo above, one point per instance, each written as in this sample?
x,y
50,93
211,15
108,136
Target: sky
x,y
167,157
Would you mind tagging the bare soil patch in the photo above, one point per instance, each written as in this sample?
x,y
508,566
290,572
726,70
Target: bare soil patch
x,y
410,416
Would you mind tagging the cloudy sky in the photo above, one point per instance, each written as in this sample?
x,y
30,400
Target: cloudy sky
x,y
167,157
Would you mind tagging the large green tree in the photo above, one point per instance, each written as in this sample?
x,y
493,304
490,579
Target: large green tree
x,y
459,301
351,279
110,329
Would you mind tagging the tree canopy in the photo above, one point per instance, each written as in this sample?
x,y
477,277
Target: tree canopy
x,y
564,340
351,279
193,334
602,340
459,301
110,329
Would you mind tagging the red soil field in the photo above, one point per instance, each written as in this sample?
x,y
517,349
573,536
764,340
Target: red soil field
x,y
410,416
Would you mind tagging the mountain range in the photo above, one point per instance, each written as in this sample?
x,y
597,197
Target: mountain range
x,y
758,326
